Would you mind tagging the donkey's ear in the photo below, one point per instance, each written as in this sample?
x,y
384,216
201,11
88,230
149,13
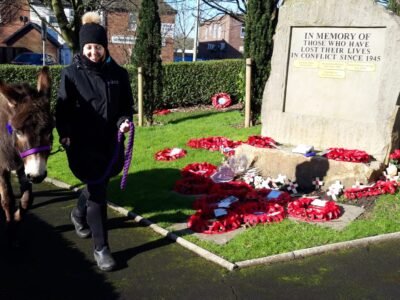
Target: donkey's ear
x,y
9,93
44,82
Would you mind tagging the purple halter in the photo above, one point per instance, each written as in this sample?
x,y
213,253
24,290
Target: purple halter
x,y
31,150
34,150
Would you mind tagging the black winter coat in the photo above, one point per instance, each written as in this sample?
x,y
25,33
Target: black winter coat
x,y
91,105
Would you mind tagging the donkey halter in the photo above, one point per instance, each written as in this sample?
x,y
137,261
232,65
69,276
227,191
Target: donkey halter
x,y
30,151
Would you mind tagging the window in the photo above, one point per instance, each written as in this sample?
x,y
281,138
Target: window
x,y
167,30
132,22
214,31
52,20
242,30
219,31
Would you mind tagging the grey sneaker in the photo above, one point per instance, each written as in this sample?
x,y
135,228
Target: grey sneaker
x,y
104,259
81,228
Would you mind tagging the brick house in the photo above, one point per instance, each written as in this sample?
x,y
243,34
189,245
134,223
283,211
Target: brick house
x,y
23,32
21,35
26,39
221,37
121,24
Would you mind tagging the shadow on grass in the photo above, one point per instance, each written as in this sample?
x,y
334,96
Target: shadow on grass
x,y
193,117
150,193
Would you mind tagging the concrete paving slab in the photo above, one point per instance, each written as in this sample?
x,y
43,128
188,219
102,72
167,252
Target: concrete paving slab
x,y
349,214
220,239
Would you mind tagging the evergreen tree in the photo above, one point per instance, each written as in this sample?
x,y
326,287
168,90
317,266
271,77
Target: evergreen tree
x,y
260,25
147,54
394,5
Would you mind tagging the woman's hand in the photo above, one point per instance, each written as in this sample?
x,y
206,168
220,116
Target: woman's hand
x,y
124,127
65,142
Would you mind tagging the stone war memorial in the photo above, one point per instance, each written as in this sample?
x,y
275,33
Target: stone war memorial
x,y
334,83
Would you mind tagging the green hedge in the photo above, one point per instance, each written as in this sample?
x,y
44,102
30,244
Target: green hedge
x,y
185,84
29,74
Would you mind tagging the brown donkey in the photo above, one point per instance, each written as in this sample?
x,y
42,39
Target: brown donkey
x,y
26,126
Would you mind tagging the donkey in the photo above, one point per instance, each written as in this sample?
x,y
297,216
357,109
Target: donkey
x,y
26,126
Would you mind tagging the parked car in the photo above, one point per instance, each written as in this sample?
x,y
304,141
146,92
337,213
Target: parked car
x,y
30,58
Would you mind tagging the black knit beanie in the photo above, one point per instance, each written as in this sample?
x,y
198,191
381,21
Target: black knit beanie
x,y
92,32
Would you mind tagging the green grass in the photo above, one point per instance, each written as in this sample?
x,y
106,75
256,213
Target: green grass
x,y
150,182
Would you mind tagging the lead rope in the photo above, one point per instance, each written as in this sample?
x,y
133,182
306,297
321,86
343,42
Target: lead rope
x,y
128,153
127,159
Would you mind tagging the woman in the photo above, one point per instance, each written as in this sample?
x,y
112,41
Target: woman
x,y
94,102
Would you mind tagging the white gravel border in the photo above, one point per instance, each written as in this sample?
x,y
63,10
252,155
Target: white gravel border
x,y
297,254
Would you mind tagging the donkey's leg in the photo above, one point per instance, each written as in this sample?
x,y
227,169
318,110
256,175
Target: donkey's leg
x,y
7,196
8,204
26,194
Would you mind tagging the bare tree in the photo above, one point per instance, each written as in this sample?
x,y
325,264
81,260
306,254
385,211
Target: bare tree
x,y
68,28
10,10
184,26
237,9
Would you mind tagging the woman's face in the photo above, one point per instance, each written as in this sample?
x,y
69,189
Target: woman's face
x,y
94,52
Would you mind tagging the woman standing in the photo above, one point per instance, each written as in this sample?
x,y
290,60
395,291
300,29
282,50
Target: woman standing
x,y
94,102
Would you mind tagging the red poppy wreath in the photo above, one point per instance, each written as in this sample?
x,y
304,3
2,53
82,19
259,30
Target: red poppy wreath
x,y
380,187
342,154
221,100
204,169
314,210
170,154
261,141
204,221
254,213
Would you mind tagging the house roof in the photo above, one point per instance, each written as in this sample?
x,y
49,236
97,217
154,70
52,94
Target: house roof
x,y
26,29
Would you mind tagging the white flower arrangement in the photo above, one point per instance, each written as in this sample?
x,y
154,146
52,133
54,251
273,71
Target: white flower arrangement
x,y
335,190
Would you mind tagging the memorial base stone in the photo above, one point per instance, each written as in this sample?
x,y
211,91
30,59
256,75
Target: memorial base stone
x,y
303,170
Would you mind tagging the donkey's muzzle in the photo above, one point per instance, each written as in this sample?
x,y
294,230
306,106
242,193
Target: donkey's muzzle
x,y
37,178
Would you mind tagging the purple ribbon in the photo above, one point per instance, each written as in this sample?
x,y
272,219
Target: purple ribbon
x,y
34,150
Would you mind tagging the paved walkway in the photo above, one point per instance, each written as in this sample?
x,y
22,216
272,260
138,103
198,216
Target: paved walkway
x,y
53,263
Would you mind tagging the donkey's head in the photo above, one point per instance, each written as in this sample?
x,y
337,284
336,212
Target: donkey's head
x,y
30,123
